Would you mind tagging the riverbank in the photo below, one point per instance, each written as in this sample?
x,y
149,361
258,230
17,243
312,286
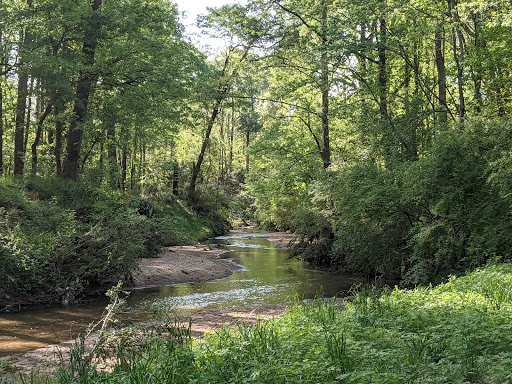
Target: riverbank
x,y
182,264
44,361
456,333
192,264
173,265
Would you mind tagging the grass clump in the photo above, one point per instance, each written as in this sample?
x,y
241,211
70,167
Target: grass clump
x,y
452,333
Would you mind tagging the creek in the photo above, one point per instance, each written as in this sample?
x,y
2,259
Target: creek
x,y
267,276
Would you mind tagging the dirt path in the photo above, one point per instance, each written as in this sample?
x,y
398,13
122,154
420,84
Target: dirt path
x,y
173,265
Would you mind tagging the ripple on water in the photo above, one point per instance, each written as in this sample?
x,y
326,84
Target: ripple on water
x,y
257,294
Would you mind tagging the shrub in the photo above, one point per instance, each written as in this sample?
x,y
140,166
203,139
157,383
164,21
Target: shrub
x,y
371,227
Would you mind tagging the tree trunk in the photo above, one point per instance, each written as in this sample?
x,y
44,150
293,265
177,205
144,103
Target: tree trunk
x,y
133,169
85,82
59,128
441,73
1,104
124,162
112,155
383,86
458,56
38,136
29,115
21,104
479,44
221,95
175,179
325,85
247,142
197,166
231,139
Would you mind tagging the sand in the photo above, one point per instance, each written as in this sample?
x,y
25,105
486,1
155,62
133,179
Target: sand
x,y
173,265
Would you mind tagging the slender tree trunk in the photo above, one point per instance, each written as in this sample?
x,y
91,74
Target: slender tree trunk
x,y
383,86
231,139
221,95
479,44
441,73
85,82
175,179
458,56
39,132
325,84
197,166
59,128
1,103
133,169
112,154
29,115
411,113
124,162
247,143
21,104
100,161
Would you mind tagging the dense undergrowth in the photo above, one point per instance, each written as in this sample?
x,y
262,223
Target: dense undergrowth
x,y
448,211
457,332
61,241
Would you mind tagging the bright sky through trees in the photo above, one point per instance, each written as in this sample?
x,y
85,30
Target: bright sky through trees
x,y
193,8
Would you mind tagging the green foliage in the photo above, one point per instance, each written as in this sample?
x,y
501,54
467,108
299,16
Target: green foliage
x,y
461,219
61,243
213,203
453,333
370,227
419,220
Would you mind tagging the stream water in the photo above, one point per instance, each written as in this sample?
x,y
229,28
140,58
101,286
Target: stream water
x,y
267,276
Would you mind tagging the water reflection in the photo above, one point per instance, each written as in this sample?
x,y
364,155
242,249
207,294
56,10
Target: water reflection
x,y
269,277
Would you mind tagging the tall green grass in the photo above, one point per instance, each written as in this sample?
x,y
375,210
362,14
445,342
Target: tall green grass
x,y
457,332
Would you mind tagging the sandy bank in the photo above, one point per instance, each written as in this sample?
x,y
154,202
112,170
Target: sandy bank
x,y
173,265
182,264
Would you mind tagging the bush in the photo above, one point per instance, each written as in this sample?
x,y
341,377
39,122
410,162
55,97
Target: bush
x,y
371,227
75,241
460,219
449,211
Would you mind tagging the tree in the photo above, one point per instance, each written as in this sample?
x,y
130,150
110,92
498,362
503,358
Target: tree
x,y
21,104
86,79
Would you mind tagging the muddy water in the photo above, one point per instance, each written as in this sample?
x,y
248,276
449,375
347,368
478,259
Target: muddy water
x,y
268,277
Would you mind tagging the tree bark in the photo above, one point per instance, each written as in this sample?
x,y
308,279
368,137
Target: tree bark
x,y
21,104
86,79
441,73
325,86
39,132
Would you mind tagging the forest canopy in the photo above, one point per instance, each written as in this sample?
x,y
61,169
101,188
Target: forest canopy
x,y
379,130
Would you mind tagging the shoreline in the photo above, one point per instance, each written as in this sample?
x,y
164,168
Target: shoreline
x,y
173,265
180,265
